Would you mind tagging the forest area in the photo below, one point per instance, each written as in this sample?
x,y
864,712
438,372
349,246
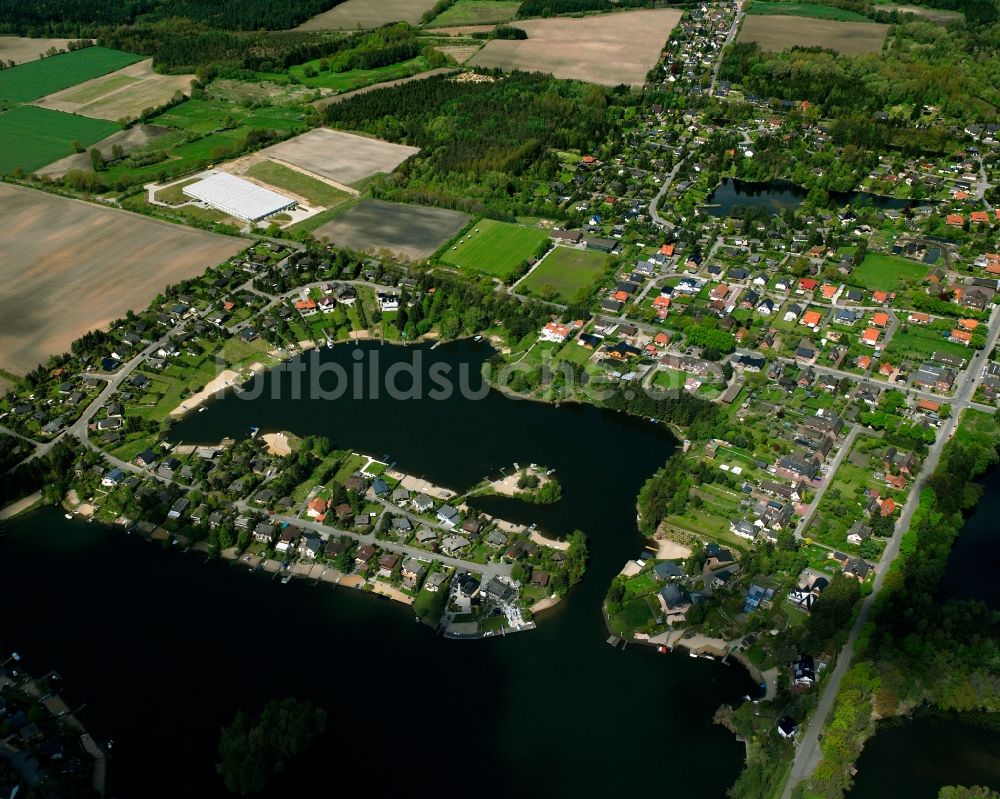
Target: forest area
x,y
88,17
486,144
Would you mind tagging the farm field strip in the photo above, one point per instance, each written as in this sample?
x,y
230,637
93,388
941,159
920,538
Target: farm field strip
x,y
355,14
762,7
28,82
778,32
21,49
412,231
609,49
477,12
31,138
100,262
125,93
342,157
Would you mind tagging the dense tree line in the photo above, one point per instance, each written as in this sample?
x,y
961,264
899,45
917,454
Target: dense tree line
x,y
86,17
548,8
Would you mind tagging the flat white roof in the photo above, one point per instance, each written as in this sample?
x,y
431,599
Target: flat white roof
x,y
238,197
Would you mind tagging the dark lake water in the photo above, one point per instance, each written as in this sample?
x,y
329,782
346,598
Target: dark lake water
x,y
778,195
917,758
973,570
164,647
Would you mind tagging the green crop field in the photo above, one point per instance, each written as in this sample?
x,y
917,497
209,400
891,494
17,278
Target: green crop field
x,y
27,82
31,137
887,272
477,12
813,10
281,177
565,273
357,78
496,248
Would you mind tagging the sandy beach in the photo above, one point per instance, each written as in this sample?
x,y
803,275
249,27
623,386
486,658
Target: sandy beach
x,y
418,484
544,604
393,593
671,550
552,543
220,383
277,444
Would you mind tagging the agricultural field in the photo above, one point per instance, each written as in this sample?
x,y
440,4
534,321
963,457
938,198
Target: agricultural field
x,y
122,94
477,12
314,192
779,32
21,49
887,272
496,248
341,157
805,10
366,14
28,82
98,261
32,137
565,273
608,49
411,231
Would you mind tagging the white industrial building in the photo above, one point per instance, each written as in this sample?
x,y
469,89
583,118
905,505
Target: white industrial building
x,y
238,197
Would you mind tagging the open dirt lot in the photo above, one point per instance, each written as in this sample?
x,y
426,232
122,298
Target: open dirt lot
x,y
608,49
367,14
340,157
776,32
129,140
69,267
21,48
125,93
412,231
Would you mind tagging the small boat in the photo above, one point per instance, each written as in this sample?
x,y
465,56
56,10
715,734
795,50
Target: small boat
x,y
478,338
285,580
692,654
254,431
201,409
68,515
661,649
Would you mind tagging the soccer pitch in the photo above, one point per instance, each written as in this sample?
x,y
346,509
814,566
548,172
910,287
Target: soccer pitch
x,y
496,248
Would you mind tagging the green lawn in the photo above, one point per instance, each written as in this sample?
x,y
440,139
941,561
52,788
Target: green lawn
x,y
920,343
174,195
282,177
887,272
565,274
806,10
27,82
32,137
357,78
496,248
99,88
477,12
